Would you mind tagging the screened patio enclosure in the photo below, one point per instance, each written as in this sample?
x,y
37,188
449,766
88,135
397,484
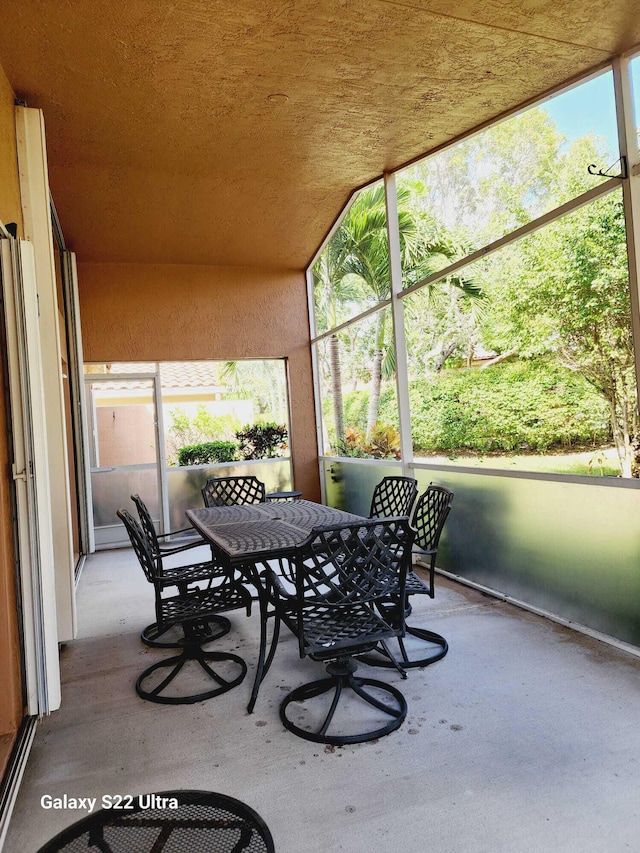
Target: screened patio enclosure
x,y
476,324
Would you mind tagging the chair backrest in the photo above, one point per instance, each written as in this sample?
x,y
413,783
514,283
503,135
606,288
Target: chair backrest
x,y
148,527
364,562
140,545
430,515
229,491
393,497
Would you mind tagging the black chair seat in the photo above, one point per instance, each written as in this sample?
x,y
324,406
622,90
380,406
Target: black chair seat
x,y
193,573
415,585
326,629
200,604
197,822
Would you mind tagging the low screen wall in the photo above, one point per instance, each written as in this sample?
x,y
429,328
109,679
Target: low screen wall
x,y
349,484
112,488
570,547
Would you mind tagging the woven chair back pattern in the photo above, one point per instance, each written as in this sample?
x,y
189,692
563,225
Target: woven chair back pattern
x,y
393,496
148,527
430,515
231,491
361,562
139,544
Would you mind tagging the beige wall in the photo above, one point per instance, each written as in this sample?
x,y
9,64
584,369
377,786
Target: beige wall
x,y
146,312
126,435
11,710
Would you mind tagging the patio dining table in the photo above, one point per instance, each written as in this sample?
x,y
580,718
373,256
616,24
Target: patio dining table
x,y
243,537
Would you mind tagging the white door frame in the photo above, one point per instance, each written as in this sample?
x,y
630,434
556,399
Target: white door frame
x,y
31,472
36,214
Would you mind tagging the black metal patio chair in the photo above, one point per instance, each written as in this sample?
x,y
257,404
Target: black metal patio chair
x,y
179,576
193,608
179,821
393,497
428,520
337,577
230,491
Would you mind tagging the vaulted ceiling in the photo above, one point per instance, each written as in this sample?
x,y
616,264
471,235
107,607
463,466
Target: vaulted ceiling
x,y
170,140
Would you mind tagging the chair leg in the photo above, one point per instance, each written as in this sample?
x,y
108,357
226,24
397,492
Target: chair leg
x,y
435,650
213,629
342,678
384,649
177,662
437,640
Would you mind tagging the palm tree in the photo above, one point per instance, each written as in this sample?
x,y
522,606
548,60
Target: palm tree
x,y
424,248
332,288
262,381
356,263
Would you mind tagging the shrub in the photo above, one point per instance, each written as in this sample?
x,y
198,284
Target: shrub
x,y
384,443
532,405
203,427
353,444
262,441
208,452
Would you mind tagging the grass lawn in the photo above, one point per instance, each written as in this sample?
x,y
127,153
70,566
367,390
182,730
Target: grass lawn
x,y
601,461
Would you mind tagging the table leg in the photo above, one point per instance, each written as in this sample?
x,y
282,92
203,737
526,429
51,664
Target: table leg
x,y
254,579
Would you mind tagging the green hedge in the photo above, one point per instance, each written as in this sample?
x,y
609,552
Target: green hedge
x,y
520,405
208,452
356,406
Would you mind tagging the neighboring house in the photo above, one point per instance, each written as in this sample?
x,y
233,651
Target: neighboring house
x,y
124,410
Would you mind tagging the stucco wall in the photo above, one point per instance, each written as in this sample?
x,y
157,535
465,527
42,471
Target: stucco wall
x,y
146,312
10,666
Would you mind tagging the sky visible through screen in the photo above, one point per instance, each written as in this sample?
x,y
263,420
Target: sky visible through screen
x,y
590,108
587,109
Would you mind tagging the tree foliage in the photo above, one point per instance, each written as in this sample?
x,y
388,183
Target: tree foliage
x,y
556,299
353,273
262,441
565,292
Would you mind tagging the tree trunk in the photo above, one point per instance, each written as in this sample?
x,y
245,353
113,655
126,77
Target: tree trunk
x,y
336,389
622,440
499,358
374,392
447,350
376,376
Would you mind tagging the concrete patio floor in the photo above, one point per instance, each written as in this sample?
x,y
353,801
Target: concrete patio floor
x,y
525,737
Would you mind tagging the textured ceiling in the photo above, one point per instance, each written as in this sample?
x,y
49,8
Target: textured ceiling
x,y
164,146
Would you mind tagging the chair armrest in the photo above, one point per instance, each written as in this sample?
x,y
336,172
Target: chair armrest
x,y
177,533
167,550
274,582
